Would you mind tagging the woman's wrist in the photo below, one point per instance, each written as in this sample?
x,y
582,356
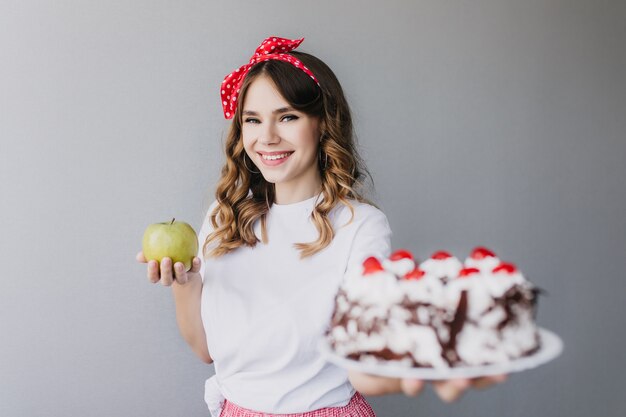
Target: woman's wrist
x,y
193,280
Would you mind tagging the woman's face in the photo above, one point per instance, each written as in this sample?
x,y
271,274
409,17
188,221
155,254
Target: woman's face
x,y
280,141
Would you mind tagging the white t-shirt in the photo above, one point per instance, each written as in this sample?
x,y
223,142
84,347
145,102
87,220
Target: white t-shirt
x,y
264,309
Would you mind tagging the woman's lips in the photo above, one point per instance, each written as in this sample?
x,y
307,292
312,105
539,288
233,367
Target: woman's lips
x,y
274,158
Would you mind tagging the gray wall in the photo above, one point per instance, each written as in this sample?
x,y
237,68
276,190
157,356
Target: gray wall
x,y
500,123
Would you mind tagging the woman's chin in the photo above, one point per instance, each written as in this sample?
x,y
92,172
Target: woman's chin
x,y
270,177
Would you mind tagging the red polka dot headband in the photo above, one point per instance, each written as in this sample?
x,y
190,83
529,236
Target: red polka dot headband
x,y
271,48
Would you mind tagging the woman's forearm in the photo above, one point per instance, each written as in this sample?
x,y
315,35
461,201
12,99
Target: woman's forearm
x,y
187,298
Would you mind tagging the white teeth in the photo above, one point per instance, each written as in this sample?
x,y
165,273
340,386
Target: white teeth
x,y
274,157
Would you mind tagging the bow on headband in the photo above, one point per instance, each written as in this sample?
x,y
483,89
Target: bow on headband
x,y
271,48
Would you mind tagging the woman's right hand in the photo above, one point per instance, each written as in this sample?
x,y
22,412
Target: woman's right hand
x,y
448,390
166,274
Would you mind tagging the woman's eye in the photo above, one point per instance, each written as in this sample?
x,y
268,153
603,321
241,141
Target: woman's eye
x,y
285,118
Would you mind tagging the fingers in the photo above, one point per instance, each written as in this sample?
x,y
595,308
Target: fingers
x,y
412,387
448,390
167,276
153,272
141,258
180,275
487,381
195,265
452,389
368,384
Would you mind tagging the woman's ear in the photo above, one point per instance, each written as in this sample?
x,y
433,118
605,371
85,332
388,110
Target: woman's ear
x,y
322,129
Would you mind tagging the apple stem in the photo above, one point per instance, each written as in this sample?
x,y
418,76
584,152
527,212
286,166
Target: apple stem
x,y
173,218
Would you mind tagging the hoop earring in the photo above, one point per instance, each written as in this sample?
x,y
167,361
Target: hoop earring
x,y
319,157
246,165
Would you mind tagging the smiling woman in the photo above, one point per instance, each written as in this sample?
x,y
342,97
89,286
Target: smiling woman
x,y
287,223
291,139
282,142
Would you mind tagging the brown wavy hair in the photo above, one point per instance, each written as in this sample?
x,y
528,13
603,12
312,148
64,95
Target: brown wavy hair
x,y
244,197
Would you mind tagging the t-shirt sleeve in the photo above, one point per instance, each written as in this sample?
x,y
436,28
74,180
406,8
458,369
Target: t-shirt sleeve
x,y
372,238
205,230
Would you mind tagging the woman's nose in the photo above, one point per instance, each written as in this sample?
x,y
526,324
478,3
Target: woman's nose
x,y
269,134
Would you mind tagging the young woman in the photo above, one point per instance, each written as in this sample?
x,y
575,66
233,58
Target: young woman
x,y
288,222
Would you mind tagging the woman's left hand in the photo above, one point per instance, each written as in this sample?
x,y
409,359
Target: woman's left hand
x,y
448,390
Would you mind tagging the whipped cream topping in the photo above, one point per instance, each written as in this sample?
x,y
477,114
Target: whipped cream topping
x,y
448,267
400,267
438,319
380,288
428,289
485,264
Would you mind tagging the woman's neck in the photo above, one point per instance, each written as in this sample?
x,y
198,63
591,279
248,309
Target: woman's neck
x,y
289,194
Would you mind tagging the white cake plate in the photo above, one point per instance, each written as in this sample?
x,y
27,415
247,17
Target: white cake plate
x,y
551,347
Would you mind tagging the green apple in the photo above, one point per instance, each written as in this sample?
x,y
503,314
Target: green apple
x,y
175,240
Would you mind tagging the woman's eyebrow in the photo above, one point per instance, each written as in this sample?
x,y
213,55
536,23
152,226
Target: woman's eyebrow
x,y
277,111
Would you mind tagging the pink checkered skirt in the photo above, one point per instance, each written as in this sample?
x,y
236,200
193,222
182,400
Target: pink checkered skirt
x,y
357,407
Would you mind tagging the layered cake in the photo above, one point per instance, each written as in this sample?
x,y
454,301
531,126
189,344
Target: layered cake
x,y
440,313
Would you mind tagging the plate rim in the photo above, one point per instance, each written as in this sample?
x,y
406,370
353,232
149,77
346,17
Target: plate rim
x,y
551,348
